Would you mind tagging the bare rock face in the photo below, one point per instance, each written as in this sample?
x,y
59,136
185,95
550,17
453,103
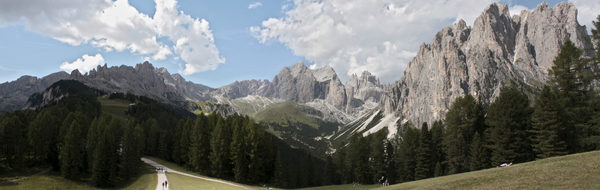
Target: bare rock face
x,y
144,80
14,95
498,51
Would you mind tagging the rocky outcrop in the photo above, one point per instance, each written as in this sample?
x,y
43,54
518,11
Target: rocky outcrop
x,y
14,95
319,88
498,51
144,80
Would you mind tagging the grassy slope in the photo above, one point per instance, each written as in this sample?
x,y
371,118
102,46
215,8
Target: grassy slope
x,y
182,182
288,112
577,171
341,187
114,107
146,181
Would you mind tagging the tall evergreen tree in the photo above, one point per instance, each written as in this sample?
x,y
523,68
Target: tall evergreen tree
x,y
377,158
462,120
72,153
13,140
424,153
437,143
200,145
565,76
132,144
509,118
280,174
239,150
548,130
479,153
43,135
219,154
406,153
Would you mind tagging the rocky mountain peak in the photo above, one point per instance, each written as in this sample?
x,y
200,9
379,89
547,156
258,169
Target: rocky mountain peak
x,y
325,73
296,69
497,51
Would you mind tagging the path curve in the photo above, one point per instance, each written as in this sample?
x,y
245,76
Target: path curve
x,y
161,174
155,164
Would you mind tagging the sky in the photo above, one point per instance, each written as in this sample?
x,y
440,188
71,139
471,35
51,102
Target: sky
x,y
218,42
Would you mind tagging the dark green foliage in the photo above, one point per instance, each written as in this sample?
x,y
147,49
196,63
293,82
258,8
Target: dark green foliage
x,y
378,157
238,151
509,121
219,154
106,156
200,145
548,129
132,146
13,138
566,77
72,153
479,153
406,153
424,164
438,156
462,120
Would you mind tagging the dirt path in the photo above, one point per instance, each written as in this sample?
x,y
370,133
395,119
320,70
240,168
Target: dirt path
x,y
23,178
155,164
162,178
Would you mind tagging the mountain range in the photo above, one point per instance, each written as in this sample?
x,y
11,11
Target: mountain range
x,y
499,50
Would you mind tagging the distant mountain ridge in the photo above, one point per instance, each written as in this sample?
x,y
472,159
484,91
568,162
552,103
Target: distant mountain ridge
x,y
319,88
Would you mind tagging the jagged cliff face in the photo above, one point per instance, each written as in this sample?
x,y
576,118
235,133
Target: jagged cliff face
x,y
319,88
145,80
498,51
14,95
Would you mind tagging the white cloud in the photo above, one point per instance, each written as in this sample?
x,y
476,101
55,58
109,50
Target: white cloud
x,y
380,36
83,64
254,5
588,10
516,9
118,26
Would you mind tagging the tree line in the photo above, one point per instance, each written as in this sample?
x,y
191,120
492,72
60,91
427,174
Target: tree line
x,y
82,143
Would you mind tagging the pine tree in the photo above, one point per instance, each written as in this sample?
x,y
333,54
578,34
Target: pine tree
x,y
72,154
377,157
330,169
479,153
219,146
406,153
437,143
565,76
509,119
239,149
200,145
43,135
280,174
548,130
423,167
462,120
106,157
13,141
131,151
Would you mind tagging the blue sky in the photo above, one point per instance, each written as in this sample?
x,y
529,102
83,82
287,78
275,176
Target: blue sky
x,y
246,47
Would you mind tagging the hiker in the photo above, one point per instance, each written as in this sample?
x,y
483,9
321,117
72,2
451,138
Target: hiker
x,y
163,185
386,183
167,184
381,180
